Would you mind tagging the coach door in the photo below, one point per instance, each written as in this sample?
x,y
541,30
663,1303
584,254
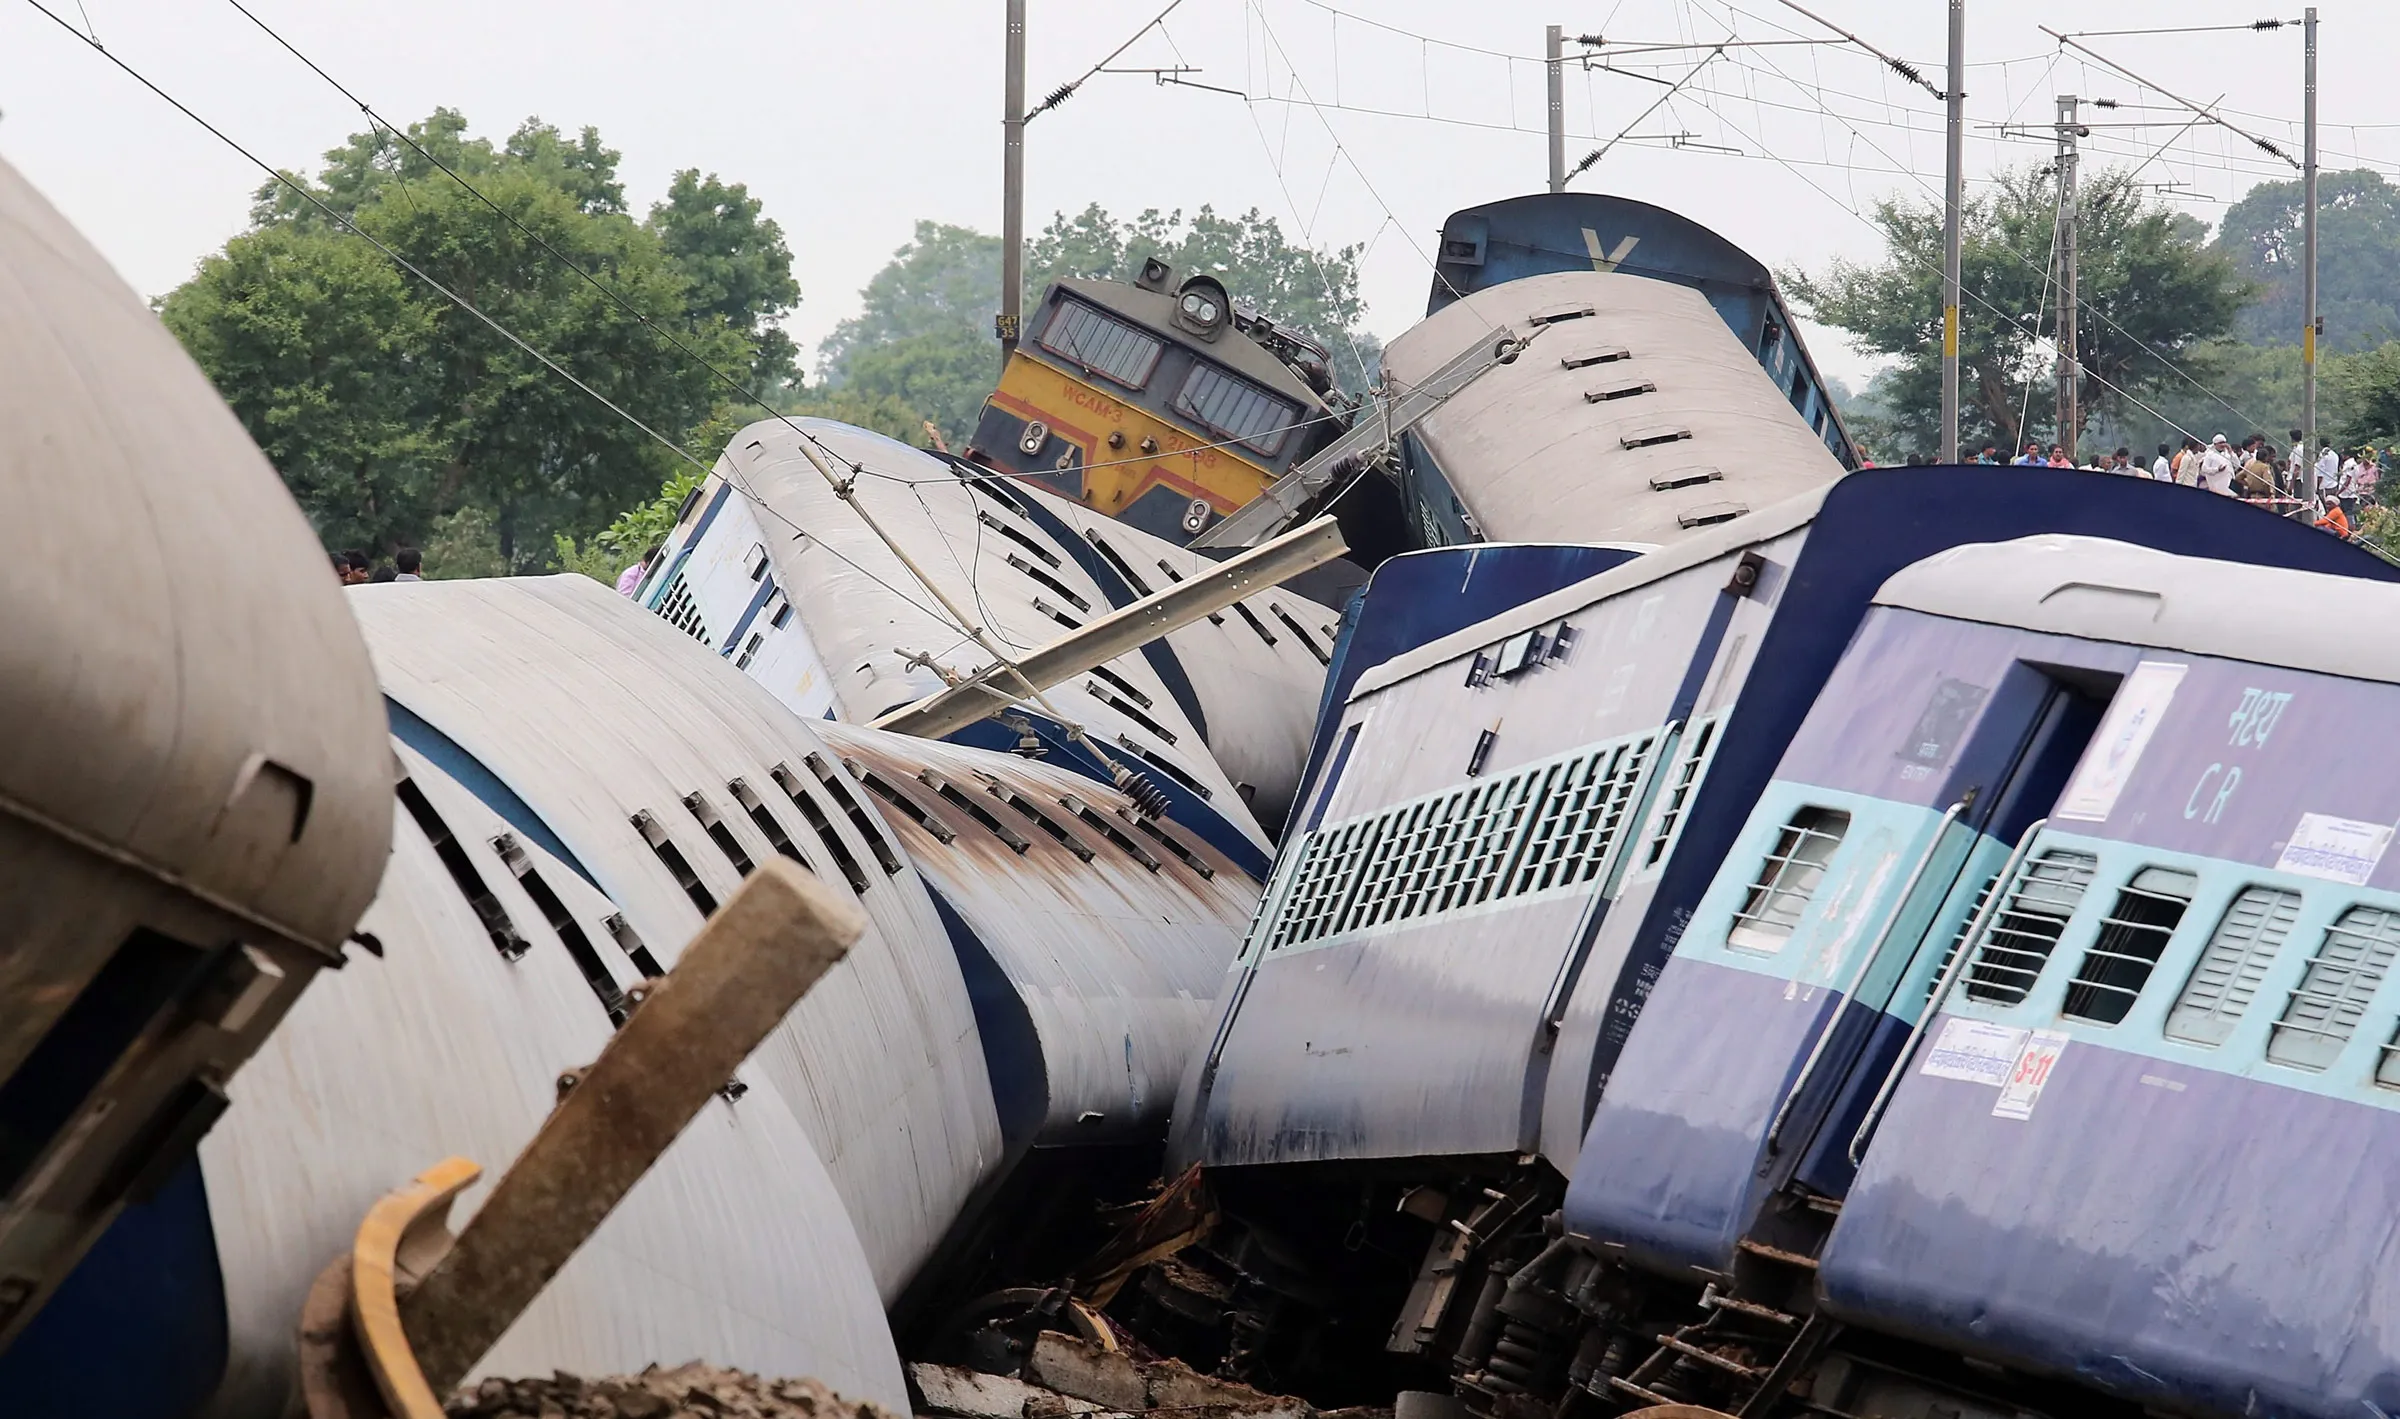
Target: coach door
x,y
2003,781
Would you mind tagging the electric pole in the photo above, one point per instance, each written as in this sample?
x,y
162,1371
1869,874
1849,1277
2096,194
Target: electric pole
x,y
2308,238
1953,197
1553,41
2069,370
1012,188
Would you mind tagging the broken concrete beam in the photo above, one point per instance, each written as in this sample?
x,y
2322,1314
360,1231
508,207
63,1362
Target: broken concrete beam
x,y
1075,1367
972,1394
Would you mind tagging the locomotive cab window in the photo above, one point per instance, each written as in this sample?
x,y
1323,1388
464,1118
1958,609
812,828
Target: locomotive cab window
x,y
1236,409
2227,976
2132,936
1101,343
2326,1006
1772,907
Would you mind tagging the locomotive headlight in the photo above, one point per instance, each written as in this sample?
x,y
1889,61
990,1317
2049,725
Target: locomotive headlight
x,y
1035,435
1199,309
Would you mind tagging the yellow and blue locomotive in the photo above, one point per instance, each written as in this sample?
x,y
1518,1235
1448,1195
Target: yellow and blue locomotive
x,y
1161,405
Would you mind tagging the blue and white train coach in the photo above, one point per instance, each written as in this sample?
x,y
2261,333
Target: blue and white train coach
x,y
2137,1142
1569,1005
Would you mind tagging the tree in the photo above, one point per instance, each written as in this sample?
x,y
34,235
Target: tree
x,y
738,266
390,409
923,334
2151,295
313,339
2358,248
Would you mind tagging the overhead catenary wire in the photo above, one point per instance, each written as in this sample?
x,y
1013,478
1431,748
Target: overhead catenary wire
x,y
2082,305
1067,90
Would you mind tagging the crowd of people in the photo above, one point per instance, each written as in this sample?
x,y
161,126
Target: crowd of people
x,y
2328,489
355,568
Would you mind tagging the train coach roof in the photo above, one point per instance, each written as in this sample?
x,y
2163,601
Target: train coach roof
x,y
2105,590
1761,526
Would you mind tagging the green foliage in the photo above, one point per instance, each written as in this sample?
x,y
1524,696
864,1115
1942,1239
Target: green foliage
x,y
313,338
2366,390
392,412
923,336
2148,289
2358,249
631,537
738,266
463,544
2242,389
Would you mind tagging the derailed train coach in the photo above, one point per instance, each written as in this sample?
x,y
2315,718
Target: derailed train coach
x,y
1512,831
194,785
2032,1051
574,786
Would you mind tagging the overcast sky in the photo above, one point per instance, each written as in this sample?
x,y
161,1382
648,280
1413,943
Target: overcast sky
x,y
851,121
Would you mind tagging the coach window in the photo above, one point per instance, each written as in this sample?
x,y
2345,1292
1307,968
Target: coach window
x,y
2018,938
2226,979
2325,1007
1788,879
2136,930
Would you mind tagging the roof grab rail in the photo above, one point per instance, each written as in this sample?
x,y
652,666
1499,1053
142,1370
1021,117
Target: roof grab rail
x,y
1967,946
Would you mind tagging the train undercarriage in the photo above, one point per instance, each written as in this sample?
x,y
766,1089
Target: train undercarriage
x,y
1460,1291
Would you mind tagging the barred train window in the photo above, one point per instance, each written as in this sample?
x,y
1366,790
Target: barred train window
x,y
2235,961
1101,343
1966,924
2325,1007
1544,826
1236,408
1788,879
2017,940
2118,963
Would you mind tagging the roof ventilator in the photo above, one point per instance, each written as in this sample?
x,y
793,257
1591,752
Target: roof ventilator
x,y
1650,435
1596,355
1622,389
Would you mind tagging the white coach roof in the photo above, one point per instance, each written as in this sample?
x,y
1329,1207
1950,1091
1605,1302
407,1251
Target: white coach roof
x,y
2112,591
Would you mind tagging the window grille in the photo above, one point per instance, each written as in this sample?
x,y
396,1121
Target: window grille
x,y
2018,938
1102,343
2135,932
1699,747
2387,1064
679,609
1959,938
1546,826
1237,409
2227,977
1788,879
2325,1008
